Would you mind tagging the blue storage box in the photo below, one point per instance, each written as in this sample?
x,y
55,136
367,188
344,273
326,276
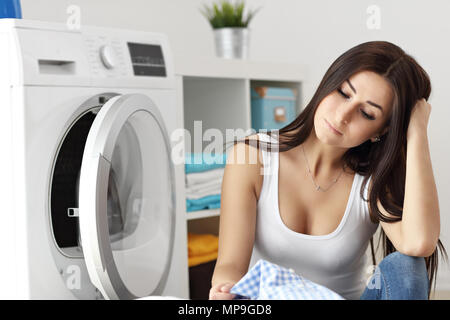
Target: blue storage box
x,y
272,108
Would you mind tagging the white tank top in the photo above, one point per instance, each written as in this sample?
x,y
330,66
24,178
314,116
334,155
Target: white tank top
x,y
336,260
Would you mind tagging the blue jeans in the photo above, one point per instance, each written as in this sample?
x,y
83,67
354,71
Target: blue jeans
x,y
398,277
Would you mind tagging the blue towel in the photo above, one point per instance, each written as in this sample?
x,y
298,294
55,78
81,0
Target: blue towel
x,y
268,281
207,202
209,206
199,162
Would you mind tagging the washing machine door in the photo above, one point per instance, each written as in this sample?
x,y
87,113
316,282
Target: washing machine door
x,y
127,199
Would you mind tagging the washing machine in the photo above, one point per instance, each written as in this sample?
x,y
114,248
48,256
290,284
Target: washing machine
x,y
88,185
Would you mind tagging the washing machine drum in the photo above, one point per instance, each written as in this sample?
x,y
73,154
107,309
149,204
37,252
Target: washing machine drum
x,y
126,199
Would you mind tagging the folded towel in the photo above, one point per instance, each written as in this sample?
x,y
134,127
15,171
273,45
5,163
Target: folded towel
x,y
203,193
194,261
270,281
205,185
196,178
204,201
208,202
200,244
199,162
209,206
202,248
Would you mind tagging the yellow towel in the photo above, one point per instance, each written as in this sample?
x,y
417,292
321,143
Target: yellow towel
x,y
202,248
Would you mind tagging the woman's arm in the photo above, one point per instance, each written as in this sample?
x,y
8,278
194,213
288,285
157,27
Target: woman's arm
x,y
237,214
421,221
418,231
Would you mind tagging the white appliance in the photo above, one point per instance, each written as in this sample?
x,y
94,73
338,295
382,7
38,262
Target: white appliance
x,y
87,181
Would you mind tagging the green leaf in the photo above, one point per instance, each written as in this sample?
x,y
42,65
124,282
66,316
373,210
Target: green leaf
x,y
239,13
227,14
250,16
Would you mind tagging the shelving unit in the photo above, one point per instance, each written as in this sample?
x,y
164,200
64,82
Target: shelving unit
x,y
217,93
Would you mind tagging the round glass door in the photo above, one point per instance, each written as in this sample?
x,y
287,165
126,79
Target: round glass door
x,y
127,201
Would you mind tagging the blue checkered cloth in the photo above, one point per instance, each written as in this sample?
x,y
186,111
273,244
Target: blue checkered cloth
x,y
268,281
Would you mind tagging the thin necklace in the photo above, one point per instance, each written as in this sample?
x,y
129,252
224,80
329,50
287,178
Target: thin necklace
x,y
310,174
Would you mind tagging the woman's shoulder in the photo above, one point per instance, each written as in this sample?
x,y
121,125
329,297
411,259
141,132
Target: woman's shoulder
x,y
246,154
248,160
251,150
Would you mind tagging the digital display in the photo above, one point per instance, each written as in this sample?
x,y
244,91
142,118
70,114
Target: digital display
x,y
147,60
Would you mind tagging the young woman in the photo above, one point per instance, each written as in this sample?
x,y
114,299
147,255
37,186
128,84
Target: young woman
x,y
355,158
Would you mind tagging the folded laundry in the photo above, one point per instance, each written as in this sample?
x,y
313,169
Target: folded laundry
x,y
203,193
207,257
266,280
195,178
208,202
204,174
205,185
199,162
205,200
202,248
210,206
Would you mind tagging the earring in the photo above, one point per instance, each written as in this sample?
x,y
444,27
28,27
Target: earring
x,y
377,139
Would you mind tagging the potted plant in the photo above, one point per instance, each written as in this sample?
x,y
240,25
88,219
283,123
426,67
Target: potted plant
x,y
230,25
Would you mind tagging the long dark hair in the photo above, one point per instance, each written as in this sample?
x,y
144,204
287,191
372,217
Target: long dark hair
x,y
385,160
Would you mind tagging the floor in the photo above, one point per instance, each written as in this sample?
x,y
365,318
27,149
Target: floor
x,y
441,295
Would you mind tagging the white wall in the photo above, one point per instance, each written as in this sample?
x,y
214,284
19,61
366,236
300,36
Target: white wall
x,y
311,32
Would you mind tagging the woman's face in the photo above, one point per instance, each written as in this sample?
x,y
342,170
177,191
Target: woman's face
x,y
358,109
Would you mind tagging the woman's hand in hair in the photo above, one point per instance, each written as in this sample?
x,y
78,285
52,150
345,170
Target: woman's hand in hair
x,y
418,121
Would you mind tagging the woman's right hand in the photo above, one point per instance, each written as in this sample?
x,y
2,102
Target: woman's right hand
x,y
221,292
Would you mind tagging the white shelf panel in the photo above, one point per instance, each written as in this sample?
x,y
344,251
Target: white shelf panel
x,y
202,214
239,69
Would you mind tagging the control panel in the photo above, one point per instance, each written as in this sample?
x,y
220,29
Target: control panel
x,y
106,56
93,56
147,60
113,57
